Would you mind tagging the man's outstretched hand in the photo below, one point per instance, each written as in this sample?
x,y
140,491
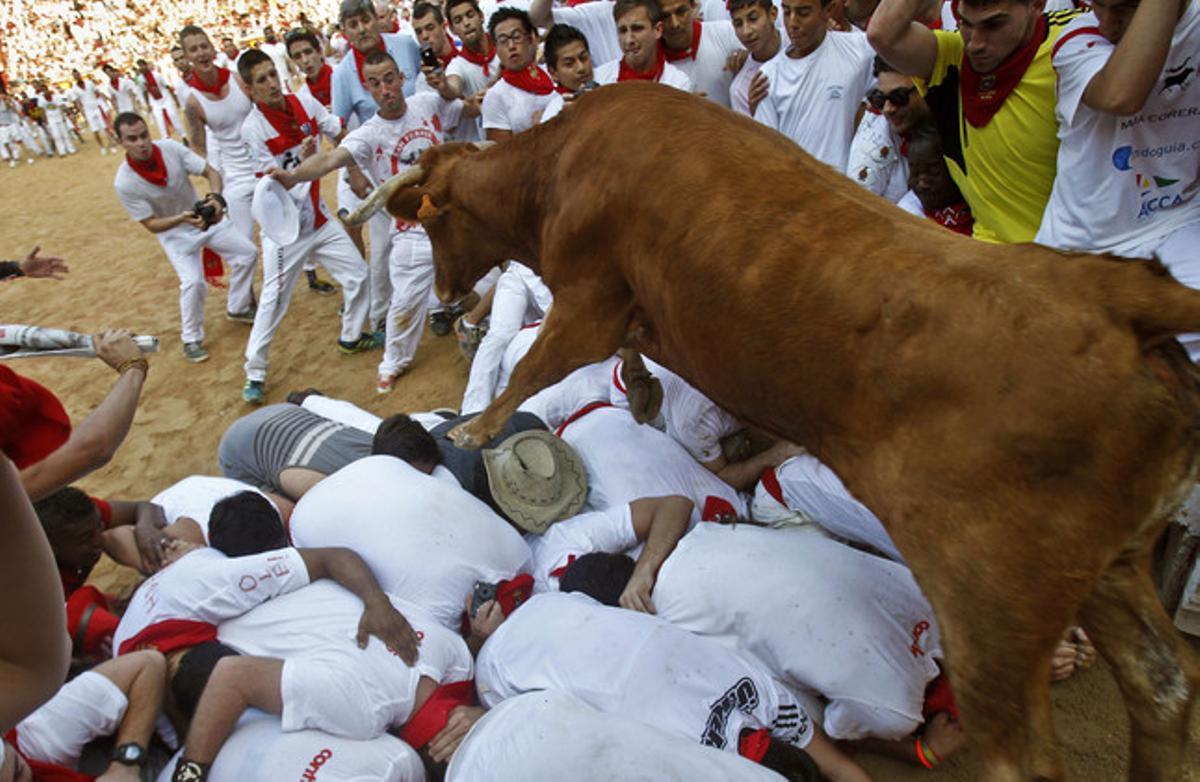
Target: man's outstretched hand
x,y
381,619
36,265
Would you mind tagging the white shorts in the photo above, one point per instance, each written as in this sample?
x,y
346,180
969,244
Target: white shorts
x,y
353,693
88,706
95,121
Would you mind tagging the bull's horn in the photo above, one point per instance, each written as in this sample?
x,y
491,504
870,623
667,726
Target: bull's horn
x,y
482,145
379,197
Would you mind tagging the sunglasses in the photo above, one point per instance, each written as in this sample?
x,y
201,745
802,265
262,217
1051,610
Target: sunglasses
x,y
898,98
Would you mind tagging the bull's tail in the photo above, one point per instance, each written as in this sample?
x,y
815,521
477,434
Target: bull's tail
x,y
1145,295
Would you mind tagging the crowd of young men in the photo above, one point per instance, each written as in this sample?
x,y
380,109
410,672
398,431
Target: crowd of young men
x,y
364,598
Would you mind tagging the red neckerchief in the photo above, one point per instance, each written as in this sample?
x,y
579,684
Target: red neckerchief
x,y
395,26
320,88
957,218
479,59
360,58
454,52
983,95
532,79
152,85
625,73
49,96
674,55
114,80
293,125
196,82
153,170
561,90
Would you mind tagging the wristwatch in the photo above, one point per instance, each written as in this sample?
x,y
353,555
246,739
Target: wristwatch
x,y
130,754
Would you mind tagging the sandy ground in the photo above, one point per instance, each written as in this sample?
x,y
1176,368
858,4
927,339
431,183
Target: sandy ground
x,y
120,278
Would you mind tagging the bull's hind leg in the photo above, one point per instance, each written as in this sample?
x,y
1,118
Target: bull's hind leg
x,y
586,324
1155,669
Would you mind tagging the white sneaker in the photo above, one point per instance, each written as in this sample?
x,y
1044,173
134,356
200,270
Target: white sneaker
x,y
12,163
29,161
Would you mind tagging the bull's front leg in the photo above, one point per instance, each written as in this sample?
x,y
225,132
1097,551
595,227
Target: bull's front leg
x,y
584,326
644,391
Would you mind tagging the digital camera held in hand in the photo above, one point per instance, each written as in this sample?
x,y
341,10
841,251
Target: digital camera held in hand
x,y
482,593
206,211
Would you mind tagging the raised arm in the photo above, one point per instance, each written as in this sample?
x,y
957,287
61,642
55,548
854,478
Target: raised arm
x,y
379,618
1124,83
541,13
901,40
314,167
34,651
94,442
660,522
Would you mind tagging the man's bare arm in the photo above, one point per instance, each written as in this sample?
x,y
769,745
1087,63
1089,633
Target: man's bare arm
x,y
901,40
541,13
196,130
1124,83
315,167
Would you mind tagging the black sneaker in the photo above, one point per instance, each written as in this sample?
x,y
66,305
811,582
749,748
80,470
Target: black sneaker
x,y
361,345
441,322
319,286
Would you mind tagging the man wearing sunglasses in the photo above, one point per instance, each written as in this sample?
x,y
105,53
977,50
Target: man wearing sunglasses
x,y
991,88
1130,130
878,154
814,91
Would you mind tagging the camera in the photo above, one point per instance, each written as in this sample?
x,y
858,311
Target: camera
x,y
429,58
206,211
482,593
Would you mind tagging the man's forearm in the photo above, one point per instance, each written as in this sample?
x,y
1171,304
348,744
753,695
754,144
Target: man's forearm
x,y
667,526
541,13
196,134
1122,86
215,183
321,164
900,40
345,567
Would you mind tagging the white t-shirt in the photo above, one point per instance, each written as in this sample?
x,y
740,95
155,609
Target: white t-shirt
x,y
610,531
635,665
506,107
626,461
259,134
1124,181
814,100
739,86
474,81
609,72
381,147
207,586
328,682
691,419
707,71
830,619
143,199
88,95
875,160
426,540
194,497
54,107
259,748
126,92
555,404
814,490
539,734
595,21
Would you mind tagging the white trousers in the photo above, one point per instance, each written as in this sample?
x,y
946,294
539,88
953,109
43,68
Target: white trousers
x,y
183,246
238,195
164,112
1178,250
282,266
521,298
379,247
60,134
410,266
95,120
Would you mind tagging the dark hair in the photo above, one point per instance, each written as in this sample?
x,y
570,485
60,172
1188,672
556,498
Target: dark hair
x,y
423,7
559,36
227,38
142,61
176,48
653,9
350,8
189,30
126,118
600,575
63,510
452,4
195,668
736,5
301,34
788,760
245,523
249,59
882,66
380,56
506,12
404,438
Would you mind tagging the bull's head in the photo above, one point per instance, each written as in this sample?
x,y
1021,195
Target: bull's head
x,y
446,199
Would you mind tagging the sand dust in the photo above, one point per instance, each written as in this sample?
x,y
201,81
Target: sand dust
x,y
120,278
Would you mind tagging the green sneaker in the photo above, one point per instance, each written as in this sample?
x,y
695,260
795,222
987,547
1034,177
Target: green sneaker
x,y
254,392
194,352
361,345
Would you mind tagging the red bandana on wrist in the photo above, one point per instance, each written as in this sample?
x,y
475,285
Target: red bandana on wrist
x,y
957,218
321,89
674,55
153,170
480,59
532,79
196,82
983,95
625,73
361,57
152,86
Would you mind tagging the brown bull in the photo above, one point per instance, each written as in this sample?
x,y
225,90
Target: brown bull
x,y
1020,419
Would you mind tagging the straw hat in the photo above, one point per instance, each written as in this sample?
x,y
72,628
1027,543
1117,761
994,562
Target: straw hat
x,y
536,479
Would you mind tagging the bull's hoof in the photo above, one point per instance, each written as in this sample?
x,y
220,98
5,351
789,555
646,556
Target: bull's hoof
x,y
645,394
465,436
